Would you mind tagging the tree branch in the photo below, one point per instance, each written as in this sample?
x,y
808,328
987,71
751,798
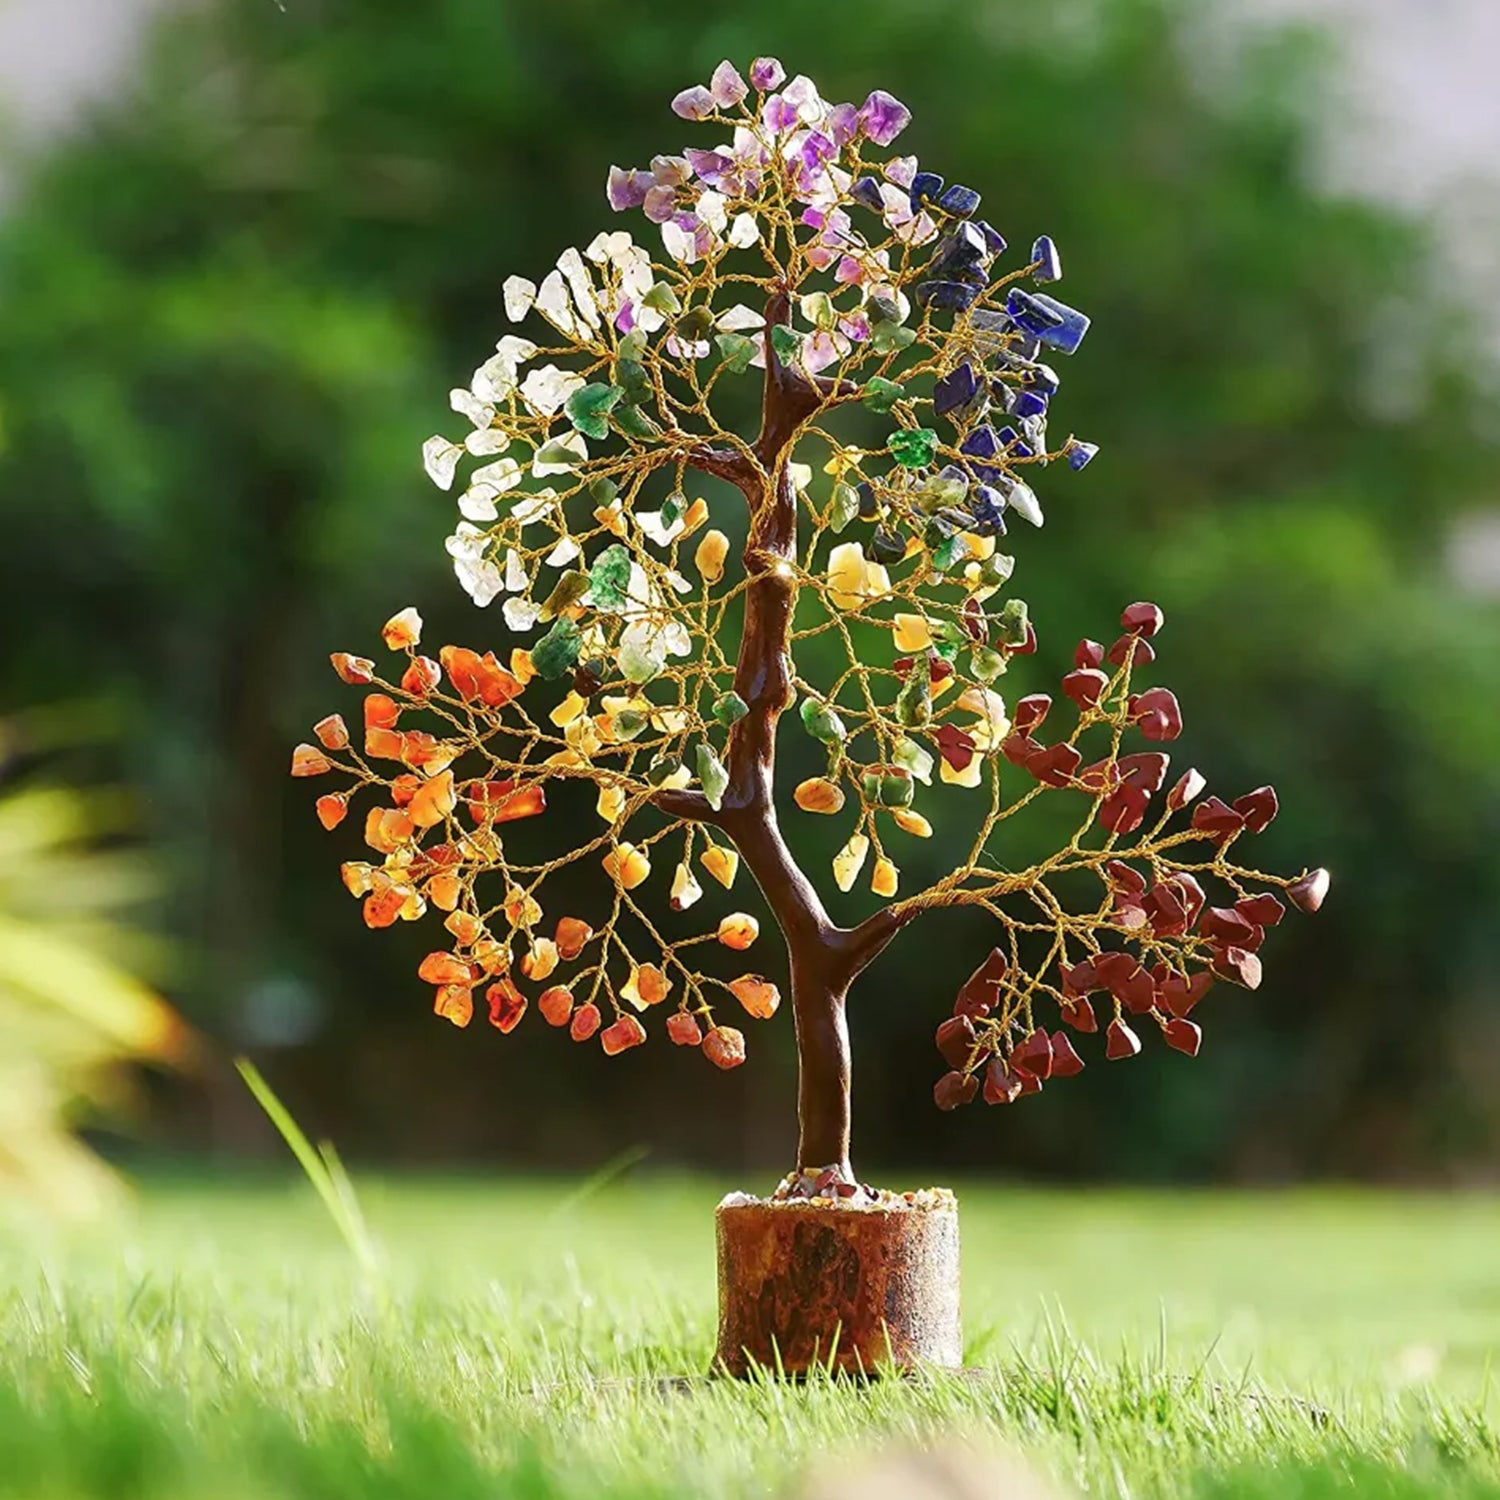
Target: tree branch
x,y
728,464
692,807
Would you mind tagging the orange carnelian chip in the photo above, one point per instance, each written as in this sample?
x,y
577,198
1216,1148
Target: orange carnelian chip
x,y
332,732
759,996
586,1021
507,1005
445,968
571,936
455,1002
384,744
556,1005
386,829
724,1047
381,711
308,760
444,892
622,1035
684,1029
357,877
382,908
482,677
353,669
434,800
402,630
421,677
466,927
491,956
651,984
332,809
504,801
738,931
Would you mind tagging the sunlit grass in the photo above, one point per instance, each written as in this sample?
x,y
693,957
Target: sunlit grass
x,y
526,1340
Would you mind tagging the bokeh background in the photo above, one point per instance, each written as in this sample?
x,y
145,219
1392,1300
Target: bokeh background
x,y
245,248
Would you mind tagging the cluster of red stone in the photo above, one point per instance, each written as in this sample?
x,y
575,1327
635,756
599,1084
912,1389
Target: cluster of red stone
x,y
1172,945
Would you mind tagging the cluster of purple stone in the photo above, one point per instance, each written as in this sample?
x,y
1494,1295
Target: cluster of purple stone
x,y
1011,413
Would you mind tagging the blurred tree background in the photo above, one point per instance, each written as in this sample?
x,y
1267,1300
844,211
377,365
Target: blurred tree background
x,y
233,305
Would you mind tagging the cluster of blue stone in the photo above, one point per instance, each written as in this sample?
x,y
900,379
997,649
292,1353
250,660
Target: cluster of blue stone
x,y
956,277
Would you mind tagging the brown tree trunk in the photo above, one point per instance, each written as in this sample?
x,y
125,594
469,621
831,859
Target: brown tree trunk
x,y
823,1077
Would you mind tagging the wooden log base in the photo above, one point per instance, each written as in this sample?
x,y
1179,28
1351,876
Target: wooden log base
x,y
855,1290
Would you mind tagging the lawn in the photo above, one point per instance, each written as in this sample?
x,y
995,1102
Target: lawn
x,y
223,1342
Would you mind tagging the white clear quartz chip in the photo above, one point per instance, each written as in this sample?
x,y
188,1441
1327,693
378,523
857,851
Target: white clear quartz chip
x,y
477,503
547,388
519,294
467,404
1022,499
520,614
484,441
440,459
744,231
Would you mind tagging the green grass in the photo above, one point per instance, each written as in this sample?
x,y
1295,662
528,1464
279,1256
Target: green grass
x,y
224,1343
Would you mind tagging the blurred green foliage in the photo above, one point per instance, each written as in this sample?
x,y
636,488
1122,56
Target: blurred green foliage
x,y
232,307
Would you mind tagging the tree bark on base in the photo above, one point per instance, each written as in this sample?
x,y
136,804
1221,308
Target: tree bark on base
x,y
855,1290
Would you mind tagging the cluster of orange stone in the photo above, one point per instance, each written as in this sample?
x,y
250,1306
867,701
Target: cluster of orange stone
x,y
426,796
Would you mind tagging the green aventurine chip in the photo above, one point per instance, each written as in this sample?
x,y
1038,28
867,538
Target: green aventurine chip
x,y
557,651
913,447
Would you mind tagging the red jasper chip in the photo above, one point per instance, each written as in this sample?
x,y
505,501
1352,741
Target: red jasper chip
x,y
586,1021
1134,649
1017,748
1146,770
1142,618
1192,892
683,1029
621,1036
1187,788
1130,915
1100,777
1055,765
1138,993
1185,1036
1227,925
1001,1086
1308,893
507,1005
1079,1014
1156,713
1263,910
1258,807
939,668
982,988
1079,980
1217,819
1030,712
953,1089
1088,653
1123,877
955,745
973,621
1179,995
1124,811
1065,1061
1113,968
1033,1055
1085,686
1238,966
1030,1084
1166,909
956,1040
1028,646
1120,1041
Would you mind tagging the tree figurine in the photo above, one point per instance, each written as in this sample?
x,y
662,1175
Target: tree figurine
x,y
656,667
